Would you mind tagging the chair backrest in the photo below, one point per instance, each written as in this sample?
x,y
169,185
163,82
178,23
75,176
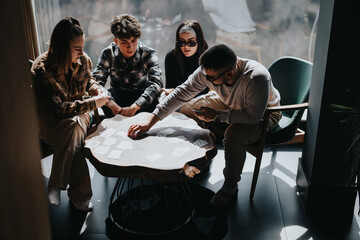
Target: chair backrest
x,y
292,77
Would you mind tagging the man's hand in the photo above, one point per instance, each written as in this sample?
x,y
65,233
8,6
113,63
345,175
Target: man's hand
x,y
205,114
136,130
130,111
190,171
167,91
115,109
101,100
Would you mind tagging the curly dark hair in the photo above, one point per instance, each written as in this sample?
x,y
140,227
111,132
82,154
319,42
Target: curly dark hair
x,y
218,57
125,26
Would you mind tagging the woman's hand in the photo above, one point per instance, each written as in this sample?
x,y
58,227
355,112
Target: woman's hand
x,y
130,111
101,100
115,109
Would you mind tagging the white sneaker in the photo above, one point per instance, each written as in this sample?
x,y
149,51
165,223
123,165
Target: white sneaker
x,y
54,197
86,206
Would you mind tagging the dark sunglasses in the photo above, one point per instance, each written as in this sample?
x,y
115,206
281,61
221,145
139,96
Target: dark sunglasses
x,y
189,43
210,78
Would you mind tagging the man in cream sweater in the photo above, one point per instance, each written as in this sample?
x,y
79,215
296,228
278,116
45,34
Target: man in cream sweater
x,y
242,89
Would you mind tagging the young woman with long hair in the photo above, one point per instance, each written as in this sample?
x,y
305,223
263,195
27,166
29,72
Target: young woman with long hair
x,y
62,76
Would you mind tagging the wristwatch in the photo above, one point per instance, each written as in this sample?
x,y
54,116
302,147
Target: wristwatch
x,y
217,117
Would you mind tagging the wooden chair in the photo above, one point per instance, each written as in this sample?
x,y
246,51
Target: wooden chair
x,y
291,76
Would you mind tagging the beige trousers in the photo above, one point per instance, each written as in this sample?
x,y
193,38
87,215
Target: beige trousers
x,y
236,135
69,167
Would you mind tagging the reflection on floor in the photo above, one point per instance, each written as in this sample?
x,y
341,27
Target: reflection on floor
x,y
275,213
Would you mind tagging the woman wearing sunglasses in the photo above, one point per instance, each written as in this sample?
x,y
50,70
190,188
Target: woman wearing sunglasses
x,y
183,60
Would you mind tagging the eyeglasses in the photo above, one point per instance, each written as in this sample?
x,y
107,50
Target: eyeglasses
x,y
210,78
189,43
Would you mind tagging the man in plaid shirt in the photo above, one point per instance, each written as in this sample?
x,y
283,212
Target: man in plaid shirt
x,y
135,82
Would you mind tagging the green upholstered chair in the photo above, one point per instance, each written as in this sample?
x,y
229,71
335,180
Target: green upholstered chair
x,y
291,76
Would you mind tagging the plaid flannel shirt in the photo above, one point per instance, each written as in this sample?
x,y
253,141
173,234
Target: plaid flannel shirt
x,y
142,72
55,95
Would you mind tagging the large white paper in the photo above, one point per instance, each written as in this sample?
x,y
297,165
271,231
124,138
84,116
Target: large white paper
x,y
167,145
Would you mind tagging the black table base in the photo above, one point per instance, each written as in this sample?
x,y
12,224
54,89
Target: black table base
x,y
147,207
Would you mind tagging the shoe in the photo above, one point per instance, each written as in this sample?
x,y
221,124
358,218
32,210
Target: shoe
x,y
223,199
86,206
54,197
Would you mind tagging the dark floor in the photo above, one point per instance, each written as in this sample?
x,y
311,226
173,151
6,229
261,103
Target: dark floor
x,y
275,213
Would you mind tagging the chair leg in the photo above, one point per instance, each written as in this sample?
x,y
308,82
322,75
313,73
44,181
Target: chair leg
x,y
255,176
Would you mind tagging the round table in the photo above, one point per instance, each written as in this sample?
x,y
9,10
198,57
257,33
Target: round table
x,y
151,195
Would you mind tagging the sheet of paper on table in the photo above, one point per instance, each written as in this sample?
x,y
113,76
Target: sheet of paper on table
x,y
169,144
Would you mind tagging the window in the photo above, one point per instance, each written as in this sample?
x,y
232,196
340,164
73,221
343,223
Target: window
x,y
258,29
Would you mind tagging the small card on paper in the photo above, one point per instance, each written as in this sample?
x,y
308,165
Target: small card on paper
x,y
200,143
180,151
154,157
92,143
125,145
176,139
101,149
165,132
109,141
115,154
108,132
122,134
